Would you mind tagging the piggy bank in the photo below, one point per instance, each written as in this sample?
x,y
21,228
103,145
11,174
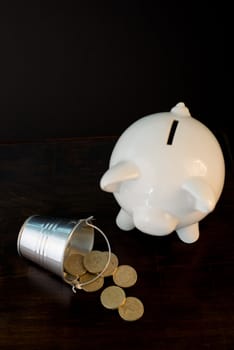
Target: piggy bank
x,y
167,173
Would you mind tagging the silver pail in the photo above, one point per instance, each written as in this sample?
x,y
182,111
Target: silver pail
x,y
48,240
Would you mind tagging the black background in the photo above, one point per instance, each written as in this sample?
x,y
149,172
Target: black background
x,y
87,68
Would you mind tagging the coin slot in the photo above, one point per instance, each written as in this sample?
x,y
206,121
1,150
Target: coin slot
x,y
172,132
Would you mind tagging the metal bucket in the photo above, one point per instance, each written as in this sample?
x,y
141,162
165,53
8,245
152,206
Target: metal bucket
x,y
47,241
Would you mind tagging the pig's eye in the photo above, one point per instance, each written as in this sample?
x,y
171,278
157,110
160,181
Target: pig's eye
x,y
172,132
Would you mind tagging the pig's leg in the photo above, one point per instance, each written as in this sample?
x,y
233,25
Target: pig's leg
x,y
124,221
189,234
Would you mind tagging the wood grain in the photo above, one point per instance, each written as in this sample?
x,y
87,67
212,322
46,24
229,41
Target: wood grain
x,y
187,290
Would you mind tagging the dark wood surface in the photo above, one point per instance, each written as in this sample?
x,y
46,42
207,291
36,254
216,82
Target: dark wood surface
x,y
187,290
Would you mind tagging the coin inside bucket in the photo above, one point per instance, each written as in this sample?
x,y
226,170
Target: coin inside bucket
x,y
88,268
80,243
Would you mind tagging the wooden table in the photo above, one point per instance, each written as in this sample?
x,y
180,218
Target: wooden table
x,y
187,290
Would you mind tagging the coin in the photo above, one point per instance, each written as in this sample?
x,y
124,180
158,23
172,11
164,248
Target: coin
x,y
113,264
92,286
70,278
112,297
132,309
73,264
95,261
125,276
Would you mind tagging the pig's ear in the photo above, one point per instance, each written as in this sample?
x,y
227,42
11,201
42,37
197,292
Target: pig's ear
x,y
122,171
202,193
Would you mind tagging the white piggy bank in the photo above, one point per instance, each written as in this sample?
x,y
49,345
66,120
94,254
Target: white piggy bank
x,y
167,173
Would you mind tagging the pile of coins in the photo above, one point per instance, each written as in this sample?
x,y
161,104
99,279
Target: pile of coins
x,y
88,273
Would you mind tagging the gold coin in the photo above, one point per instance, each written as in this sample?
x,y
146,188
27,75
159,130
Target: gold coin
x,y
112,297
125,276
95,261
70,278
73,264
113,264
92,286
132,309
